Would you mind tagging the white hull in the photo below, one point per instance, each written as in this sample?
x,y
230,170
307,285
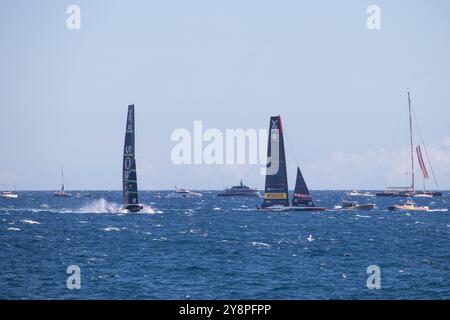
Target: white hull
x,y
419,195
410,208
9,196
185,195
308,209
358,194
277,209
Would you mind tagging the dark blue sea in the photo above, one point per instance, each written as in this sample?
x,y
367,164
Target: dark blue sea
x,y
220,248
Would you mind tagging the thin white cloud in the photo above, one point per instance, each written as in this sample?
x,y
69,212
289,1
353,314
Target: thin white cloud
x,y
376,168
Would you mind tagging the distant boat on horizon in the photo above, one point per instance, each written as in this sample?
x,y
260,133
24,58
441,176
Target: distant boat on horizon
x,y
130,190
83,194
411,190
62,192
184,193
240,191
276,196
357,193
10,194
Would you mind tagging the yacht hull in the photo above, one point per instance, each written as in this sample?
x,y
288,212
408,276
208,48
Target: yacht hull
x,y
9,196
291,208
235,194
134,207
308,209
408,194
407,208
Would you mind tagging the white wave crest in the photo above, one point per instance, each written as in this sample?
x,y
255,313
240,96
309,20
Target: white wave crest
x,y
101,206
111,229
261,245
149,210
30,221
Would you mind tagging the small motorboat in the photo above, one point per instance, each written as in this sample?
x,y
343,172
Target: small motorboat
x,y
408,205
185,193
354,205
83,195
356,193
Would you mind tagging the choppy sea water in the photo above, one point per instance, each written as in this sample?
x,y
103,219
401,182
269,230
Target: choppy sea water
x,y
220,248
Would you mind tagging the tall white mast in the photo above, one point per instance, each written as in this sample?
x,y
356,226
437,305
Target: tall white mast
x,y
411,143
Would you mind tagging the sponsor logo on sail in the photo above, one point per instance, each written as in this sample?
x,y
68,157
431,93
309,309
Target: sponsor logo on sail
x,y
273,195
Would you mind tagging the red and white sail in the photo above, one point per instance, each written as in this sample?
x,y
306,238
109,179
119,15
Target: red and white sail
x,y
422,163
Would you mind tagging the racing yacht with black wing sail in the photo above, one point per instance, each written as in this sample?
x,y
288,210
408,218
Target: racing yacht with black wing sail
x,y
130,190
276,185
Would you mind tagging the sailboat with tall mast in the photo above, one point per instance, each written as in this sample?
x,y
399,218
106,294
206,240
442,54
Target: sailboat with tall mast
x,y
130,190
62,192
276,196
10,194
410,190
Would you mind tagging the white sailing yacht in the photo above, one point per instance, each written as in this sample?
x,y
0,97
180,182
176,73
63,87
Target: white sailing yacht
x,y
411,190
10,194
62,192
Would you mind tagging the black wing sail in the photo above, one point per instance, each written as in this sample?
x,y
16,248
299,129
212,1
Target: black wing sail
x,y
130,191
301,197
276,187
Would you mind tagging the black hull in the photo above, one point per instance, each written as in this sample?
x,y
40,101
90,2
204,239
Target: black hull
x,y
407,194
308,209
254,195
290,209
134,207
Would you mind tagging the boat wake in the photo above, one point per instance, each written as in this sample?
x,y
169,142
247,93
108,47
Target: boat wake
x,y
244,209
362,216
261,245
108,229
149,210
30,221
104,206
101,206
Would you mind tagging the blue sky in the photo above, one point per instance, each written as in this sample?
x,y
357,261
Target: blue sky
x,y
340,88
